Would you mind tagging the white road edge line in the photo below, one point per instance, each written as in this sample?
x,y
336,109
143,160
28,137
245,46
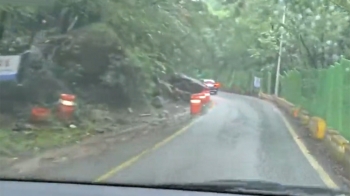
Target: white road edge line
x,y
313,162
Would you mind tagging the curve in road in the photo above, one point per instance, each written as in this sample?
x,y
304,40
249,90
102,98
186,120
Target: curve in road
x,y
240,138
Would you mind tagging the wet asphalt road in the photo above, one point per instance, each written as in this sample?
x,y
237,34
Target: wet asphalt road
x,y
239,138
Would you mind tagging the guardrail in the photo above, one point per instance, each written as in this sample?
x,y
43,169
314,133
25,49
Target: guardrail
x,y
337,146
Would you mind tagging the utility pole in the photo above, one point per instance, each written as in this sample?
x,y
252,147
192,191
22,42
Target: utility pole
x,y
279,55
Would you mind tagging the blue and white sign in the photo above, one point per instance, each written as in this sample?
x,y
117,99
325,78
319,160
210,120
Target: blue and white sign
x,y
9,67
257,82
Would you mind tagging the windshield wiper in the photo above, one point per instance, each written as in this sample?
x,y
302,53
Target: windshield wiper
x,y
219,186
253,188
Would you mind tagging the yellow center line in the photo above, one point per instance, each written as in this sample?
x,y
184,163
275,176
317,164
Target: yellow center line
x,y
313,162
134,159
121,166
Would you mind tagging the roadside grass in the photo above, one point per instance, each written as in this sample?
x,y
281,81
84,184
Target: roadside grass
x,y
48,135
54,134
14,144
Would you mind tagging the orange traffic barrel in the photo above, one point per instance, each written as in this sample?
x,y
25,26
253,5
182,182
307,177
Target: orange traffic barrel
x,y
40,114
207,95
202,97
196,104
66,106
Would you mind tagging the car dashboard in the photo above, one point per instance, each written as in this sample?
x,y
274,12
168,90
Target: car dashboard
x,y
19,188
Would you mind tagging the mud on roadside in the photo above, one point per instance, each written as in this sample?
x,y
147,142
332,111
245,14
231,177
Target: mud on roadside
x,y
173,116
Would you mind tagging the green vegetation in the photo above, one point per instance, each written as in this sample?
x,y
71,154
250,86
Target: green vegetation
x,y
138,41
115,52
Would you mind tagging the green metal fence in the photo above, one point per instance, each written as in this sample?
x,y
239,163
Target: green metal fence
x,y
322,92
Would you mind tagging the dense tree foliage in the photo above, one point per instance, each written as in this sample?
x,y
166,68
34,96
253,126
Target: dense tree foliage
x,y
130,45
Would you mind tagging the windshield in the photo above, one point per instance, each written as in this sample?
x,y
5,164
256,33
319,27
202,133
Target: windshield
x,y
114,91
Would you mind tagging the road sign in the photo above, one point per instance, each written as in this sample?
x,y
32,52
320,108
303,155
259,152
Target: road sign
x,y
9,67
257,82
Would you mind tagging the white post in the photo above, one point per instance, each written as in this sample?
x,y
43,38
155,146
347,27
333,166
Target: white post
x,y
279,56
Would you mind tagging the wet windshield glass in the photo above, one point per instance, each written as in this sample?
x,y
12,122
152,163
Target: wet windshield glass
x,y
117,91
